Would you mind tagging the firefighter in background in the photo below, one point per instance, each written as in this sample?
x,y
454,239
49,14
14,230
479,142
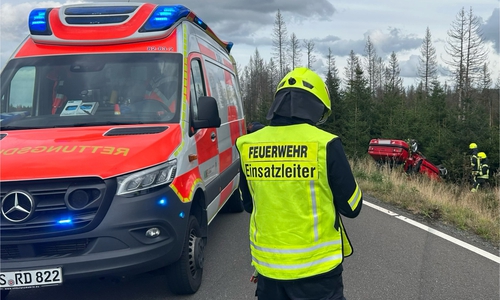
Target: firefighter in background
x,y
474,161
254,126
296,181
483,172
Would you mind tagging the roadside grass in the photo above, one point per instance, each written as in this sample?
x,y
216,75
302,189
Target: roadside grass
x,y
436,200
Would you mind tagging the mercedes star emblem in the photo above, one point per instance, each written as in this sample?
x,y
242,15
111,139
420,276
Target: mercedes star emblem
x,y
17,206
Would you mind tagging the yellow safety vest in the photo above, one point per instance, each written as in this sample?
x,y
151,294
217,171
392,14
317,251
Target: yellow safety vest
x,y
483,174
292,232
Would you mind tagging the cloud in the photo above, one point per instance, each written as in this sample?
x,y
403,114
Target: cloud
x,y
223,9
409,67
384,42
393,40
491,31
339,46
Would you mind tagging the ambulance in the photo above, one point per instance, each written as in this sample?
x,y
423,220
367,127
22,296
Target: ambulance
x,y
118,128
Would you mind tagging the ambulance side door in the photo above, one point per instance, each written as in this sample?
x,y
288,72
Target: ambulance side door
x,y
206,139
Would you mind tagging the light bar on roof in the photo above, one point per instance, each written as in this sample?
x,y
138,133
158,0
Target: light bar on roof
x,y
164,16
161,19
38,21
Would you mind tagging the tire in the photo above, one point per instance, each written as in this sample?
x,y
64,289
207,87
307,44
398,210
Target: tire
x,y
234,204
4,294
184,276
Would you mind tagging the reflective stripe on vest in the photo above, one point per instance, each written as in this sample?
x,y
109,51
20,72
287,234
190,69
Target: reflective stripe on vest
x,y
285,167
484,174
356,196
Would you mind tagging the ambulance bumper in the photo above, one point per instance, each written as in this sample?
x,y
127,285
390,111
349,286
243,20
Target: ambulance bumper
x,y
136,235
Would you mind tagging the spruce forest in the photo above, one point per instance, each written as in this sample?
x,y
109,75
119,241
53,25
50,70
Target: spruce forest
x,y
369,100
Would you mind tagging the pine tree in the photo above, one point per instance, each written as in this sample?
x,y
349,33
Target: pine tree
x,y
467,53
370,65
311,58
358,113
295,51
427,68
350,69
280,40
332,82
394,83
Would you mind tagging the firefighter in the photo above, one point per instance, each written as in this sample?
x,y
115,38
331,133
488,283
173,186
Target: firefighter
x,y
483,172
474,161
296,182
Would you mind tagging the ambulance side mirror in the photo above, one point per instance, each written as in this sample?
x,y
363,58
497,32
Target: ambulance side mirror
x,y
208,113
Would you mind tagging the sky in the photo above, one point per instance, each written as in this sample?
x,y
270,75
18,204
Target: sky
x,y
340,25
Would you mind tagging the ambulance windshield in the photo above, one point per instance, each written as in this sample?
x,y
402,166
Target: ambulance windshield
x,y
91,90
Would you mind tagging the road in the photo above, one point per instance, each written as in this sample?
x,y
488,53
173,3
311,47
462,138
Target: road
x,y
392,260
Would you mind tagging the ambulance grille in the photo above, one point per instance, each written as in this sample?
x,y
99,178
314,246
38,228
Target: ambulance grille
x,y
136,130
53,214
86,15
52,249
96,20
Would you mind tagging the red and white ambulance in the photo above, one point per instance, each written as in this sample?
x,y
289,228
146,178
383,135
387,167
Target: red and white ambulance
x,y
118,123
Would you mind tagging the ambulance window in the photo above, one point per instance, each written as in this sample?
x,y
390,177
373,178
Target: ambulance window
x,y
197,88
223,87
22,89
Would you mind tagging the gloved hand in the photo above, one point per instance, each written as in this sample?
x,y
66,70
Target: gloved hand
x,y
255,277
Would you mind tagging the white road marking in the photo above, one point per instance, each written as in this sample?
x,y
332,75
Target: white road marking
x,y
436,232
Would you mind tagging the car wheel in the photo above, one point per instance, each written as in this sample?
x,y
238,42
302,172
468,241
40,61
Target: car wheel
x,y
184,276
234,204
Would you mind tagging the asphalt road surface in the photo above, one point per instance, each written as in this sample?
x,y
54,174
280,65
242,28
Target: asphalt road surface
x,y
392,260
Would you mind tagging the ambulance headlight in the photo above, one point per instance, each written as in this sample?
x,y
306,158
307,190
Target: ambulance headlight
x,y
149,178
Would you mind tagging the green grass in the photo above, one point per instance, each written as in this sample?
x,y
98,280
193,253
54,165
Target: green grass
x,y
477,213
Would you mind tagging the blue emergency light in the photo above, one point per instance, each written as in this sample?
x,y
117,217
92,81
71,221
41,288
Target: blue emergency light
x,y
165,16
200,23
229,46
38,21
162,202
67,221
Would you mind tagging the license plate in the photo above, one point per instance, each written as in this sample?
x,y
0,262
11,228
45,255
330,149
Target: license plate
x,y
30,278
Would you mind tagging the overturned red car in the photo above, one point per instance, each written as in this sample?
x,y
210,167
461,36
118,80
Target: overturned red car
x,y
400,152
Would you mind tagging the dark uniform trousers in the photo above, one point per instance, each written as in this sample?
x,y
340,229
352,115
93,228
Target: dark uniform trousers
x,y
328,286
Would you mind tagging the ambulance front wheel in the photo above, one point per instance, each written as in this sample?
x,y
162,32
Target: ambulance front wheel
x,y
184,276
